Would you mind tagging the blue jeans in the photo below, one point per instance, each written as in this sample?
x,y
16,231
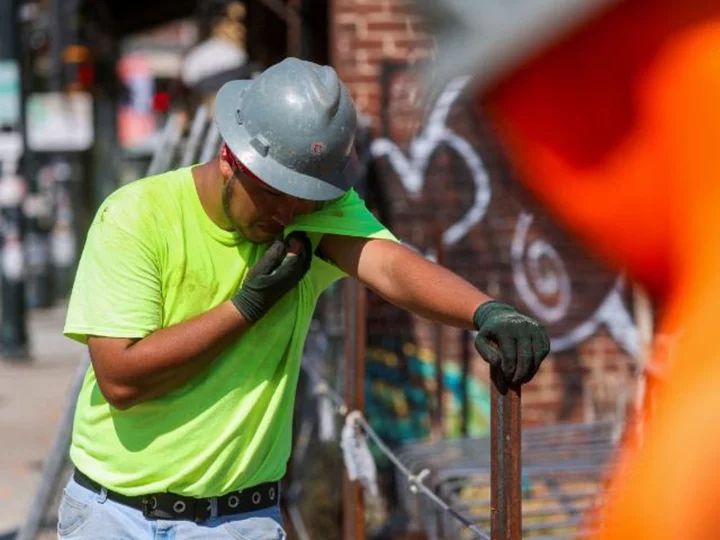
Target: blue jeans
x,y
86,515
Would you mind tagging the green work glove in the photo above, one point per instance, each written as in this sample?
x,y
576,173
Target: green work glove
x,y
509,341
281,268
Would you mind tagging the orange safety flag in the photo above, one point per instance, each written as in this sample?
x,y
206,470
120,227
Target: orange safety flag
x,y
616,129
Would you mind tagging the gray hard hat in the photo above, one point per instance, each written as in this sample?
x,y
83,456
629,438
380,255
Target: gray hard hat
x,y
491,38
293,127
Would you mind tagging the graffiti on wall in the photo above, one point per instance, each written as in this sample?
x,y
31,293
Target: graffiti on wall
x,y
537,269
487,220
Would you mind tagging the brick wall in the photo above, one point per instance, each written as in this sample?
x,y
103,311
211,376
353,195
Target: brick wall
x,y
368,32
427,184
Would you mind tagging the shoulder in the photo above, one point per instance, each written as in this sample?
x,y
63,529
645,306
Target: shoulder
x,y
142,205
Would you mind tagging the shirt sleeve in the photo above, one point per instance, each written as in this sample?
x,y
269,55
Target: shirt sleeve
x,y
118,288
346,216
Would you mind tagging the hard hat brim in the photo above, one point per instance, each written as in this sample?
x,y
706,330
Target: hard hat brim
x,y
293,183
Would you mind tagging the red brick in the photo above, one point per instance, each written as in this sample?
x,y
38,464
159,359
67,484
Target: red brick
x,y
361,10
383,27
360,44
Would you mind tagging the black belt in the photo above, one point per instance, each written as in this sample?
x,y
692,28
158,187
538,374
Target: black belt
x,y
171,506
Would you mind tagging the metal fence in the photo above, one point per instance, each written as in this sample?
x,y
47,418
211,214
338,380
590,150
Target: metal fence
x,y
563,471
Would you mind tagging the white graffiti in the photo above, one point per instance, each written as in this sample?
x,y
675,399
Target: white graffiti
x,y
545,276
411,168
614,315
544,272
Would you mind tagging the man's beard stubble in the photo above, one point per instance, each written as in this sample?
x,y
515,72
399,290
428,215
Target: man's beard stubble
x,y
226,196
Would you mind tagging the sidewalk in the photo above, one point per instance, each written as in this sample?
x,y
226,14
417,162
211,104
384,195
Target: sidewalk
x,y
32,398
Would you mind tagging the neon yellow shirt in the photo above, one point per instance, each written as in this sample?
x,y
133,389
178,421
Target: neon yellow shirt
x,y
154,258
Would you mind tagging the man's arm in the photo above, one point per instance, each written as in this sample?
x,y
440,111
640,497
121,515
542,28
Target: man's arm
x,y
406,279
507,339
130,371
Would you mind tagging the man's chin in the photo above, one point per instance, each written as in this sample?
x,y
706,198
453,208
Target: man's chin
x,y
261,236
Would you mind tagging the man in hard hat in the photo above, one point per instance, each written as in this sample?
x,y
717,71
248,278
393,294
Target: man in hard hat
x,y
606,110
195,292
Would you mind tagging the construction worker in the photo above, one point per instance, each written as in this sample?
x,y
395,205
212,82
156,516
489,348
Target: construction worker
x,y
194,294
607,110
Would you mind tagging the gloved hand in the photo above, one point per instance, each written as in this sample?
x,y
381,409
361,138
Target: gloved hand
x,y
509,341
280,268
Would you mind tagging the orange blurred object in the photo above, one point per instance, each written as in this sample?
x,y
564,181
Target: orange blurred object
x,y
617,131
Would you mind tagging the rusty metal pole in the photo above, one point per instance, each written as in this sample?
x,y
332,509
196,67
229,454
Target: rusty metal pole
x,y
355,340
464,380
505,469
438,428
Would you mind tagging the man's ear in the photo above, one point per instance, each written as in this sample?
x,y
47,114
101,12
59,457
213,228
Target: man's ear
x,y
225,169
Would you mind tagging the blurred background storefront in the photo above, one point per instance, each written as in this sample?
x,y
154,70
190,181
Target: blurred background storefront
x,y
86,88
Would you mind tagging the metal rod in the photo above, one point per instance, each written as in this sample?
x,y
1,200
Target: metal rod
x,y
464,380
438,429
505,471
355,339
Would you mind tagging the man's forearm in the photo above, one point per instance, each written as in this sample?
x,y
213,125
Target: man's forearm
x,y
513,343
167,358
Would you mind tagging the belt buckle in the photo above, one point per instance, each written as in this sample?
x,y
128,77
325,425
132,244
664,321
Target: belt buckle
x,y
149,505
203,510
